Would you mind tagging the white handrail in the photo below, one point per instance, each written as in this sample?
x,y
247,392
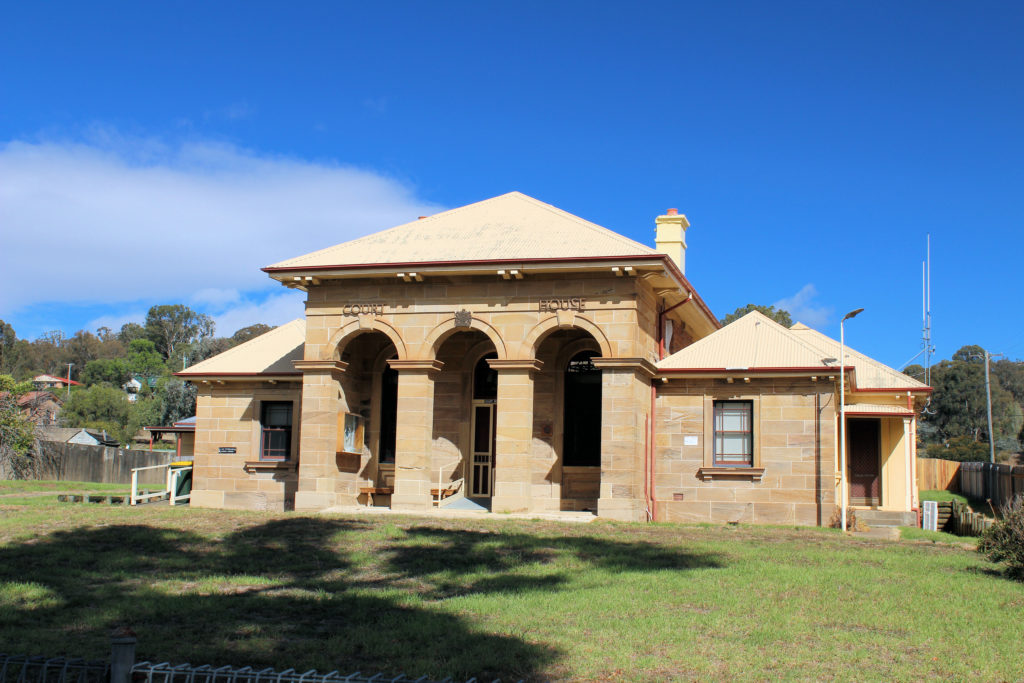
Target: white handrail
x,y
171,482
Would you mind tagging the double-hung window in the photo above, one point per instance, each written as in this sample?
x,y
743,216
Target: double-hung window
x,y
734,434
276,430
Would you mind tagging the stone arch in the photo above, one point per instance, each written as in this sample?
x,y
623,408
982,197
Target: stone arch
x,y
556,322
447,328
364,323
478,351
572,348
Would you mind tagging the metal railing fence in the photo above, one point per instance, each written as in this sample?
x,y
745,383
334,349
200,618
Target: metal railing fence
x,y
27,669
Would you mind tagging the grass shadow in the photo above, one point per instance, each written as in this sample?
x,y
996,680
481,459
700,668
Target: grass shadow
x,y
300,592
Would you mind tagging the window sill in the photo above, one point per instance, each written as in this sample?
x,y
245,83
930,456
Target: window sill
x,y
713,473
270,465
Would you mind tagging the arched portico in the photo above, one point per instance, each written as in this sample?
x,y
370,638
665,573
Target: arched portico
x,y
446,328
564,320
335,346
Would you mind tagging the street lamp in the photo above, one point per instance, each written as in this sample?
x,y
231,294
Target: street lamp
x,y
843,493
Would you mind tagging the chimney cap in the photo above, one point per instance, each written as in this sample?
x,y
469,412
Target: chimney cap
x,y
419,218
672,212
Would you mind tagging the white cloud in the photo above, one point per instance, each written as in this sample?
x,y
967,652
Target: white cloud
x,y
802,308
117,220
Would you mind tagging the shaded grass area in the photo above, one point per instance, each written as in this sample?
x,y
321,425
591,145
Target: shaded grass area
x,y
32,486
494,597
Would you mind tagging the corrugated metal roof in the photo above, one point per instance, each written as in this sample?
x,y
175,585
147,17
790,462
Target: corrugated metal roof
x,y
271,353
877,409
753,341
757,341
869,373
509,227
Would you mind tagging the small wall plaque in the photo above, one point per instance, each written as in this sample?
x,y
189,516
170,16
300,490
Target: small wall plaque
x,y
690,440
226,449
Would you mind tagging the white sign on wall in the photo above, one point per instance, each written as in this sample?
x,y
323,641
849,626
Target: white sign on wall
x,y
690,440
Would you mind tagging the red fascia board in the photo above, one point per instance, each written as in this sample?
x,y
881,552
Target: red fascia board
x,y
898,390
821,370
849,370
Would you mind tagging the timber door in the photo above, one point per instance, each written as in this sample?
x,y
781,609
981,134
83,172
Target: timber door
x,y
865,461
481,474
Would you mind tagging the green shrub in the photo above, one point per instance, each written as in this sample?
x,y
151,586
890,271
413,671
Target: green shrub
x,y
1004,540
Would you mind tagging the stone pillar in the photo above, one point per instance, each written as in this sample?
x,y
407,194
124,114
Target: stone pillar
x,y
413,435
625,403
513,449
318,434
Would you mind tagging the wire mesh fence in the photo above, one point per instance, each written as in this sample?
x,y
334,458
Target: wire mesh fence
x,y
28,669
165,672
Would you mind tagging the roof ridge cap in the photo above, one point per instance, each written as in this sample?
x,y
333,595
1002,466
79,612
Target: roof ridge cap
x,y
589,224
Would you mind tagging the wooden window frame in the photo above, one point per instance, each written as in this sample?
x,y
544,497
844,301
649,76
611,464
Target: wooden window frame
x,y
717,409
290,430
713,470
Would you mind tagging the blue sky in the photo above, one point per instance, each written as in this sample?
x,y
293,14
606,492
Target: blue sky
x,y
162,153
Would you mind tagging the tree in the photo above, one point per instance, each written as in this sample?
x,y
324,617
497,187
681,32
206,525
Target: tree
x,y
251,332
179,401
80,349
143,359
111,371
98,407
779,315
130,332
17,433
171,325
958,406
14,352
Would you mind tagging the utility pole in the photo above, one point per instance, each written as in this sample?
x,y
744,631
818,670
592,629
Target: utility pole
x,y
69,379
988,395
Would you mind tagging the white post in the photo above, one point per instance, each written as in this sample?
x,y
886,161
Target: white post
x,y
135,487
842,424
844,493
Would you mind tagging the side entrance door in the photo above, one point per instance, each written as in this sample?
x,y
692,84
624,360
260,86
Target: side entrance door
x,y
865,451
481,475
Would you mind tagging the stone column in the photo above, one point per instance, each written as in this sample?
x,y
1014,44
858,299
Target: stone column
x,y
413,435
318,433
625,403
513,435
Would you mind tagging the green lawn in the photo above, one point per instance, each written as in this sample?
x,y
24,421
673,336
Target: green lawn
x,y
497,597
8,487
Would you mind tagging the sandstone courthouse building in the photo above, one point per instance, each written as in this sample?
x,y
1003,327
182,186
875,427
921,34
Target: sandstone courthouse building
x,y
509,356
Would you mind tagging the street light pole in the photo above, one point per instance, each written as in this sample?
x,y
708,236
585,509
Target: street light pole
x,y
842,416
69,379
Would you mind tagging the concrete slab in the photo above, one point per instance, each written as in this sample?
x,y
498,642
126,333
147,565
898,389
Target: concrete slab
x,y
448,513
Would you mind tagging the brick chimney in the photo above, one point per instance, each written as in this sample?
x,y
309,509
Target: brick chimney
x,y
670,237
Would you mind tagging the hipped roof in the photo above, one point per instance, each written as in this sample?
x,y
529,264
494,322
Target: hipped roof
x,y
755,343
509,227
271,353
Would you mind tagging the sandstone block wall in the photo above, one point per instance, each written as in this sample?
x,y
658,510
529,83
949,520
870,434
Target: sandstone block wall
x,y
794,443
228,415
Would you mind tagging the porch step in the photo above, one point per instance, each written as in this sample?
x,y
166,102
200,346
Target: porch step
x,y
886,518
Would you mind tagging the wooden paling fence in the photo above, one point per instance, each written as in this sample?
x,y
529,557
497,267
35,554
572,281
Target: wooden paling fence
x,y
938,475
987,481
